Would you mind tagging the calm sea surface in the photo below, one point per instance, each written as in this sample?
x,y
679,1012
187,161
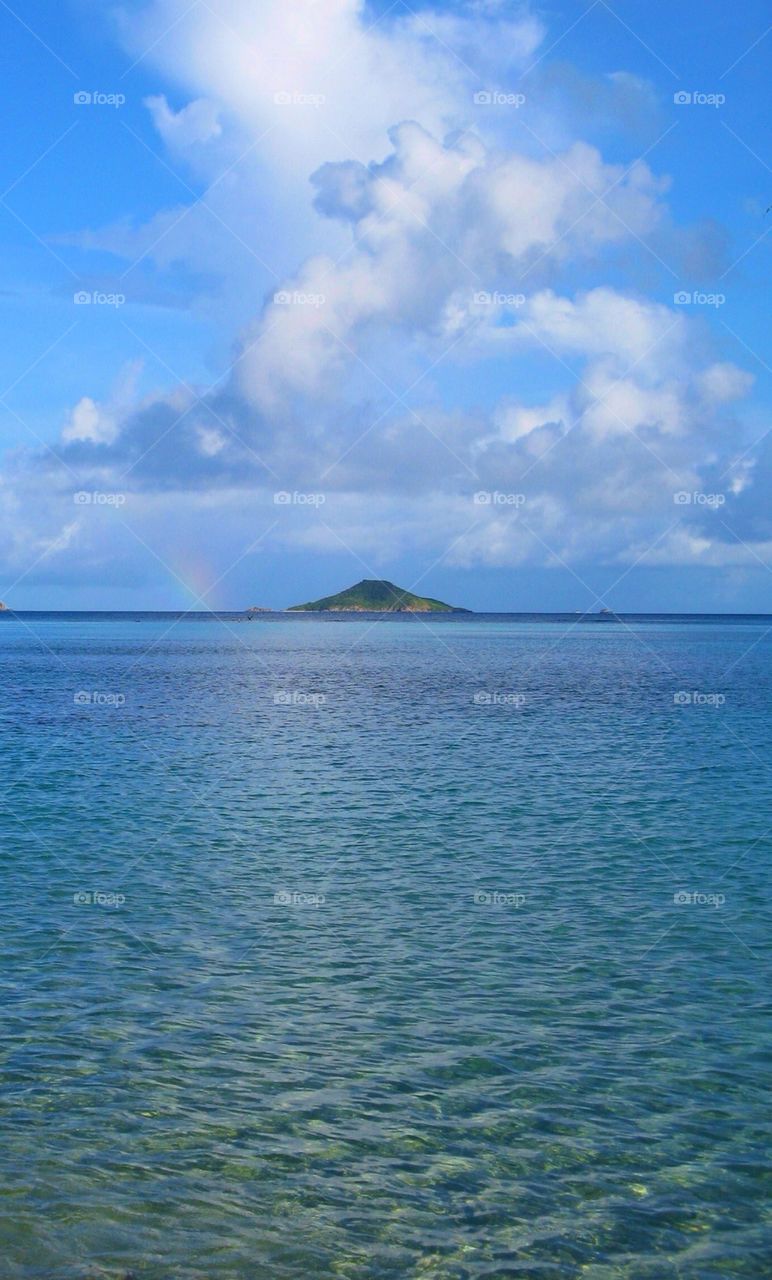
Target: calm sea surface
x,y
416,948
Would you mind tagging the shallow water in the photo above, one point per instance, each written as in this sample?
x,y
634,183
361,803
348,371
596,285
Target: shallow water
x,y
358,948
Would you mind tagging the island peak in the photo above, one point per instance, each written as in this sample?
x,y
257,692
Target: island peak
x,y
376,595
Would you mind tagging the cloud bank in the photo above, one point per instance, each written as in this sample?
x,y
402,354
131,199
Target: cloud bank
x,y
451,337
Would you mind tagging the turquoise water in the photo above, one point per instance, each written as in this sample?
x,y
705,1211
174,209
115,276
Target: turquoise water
x,y
358,949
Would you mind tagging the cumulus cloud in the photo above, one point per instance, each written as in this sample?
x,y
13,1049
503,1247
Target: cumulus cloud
x,y
97,423
431,225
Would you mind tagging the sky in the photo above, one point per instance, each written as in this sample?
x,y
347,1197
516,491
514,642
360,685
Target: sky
x,y
472,297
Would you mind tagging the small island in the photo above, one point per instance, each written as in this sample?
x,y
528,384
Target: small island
x,y
374,595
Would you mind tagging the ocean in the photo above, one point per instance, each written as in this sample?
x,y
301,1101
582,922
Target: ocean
x,y
360,948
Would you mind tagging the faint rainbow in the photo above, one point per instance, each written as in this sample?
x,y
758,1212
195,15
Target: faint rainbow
x,y
198,576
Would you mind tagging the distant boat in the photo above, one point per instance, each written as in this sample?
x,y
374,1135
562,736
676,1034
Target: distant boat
x,y
602,615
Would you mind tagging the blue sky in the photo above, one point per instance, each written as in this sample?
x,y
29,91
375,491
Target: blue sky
x,y
286,217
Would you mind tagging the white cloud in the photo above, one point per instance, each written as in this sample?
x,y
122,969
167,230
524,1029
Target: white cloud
x,y
370,73
198,122
431,225
88,421
100,423
590,399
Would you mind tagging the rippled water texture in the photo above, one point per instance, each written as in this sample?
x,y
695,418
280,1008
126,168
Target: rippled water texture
x,y
413,948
